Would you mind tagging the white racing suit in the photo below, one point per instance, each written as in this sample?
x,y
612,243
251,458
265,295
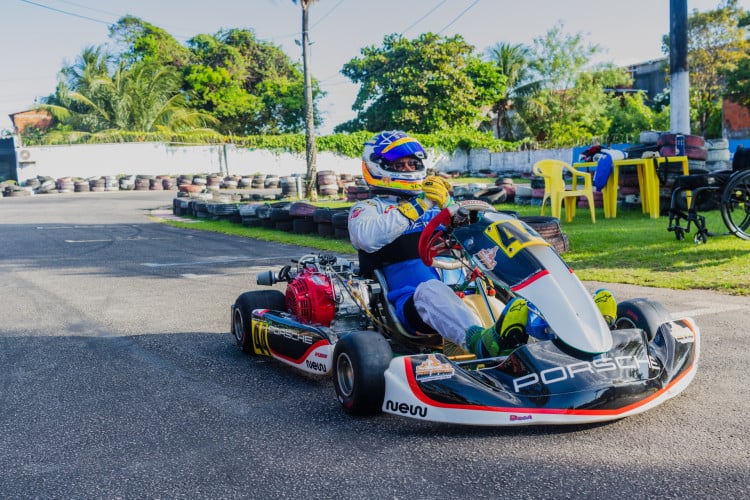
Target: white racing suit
x,y
386,239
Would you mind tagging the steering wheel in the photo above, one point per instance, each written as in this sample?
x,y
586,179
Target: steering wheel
x,y
434,241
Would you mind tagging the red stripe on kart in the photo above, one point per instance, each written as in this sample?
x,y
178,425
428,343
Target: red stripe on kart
x,y
417,391
303,357
531,279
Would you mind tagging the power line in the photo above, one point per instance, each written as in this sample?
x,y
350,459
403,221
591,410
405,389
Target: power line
x,y
67,13
423,17
327,14
74,4
458,17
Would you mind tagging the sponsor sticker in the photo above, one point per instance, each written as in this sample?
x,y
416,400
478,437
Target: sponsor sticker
x,y
487,257
682,333
519,418
433,369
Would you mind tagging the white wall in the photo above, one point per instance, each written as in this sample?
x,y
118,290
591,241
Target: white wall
x,y
95,160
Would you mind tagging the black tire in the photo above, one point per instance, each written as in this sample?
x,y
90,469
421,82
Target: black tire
x,y
325,229
242,314
322,215
359,363
340,219
735,205
340,233
548,227
304,225
642,313
280,214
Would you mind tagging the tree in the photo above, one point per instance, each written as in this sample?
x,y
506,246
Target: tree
x,y
144,97
423,85
717,45
631,115
143,42
514,63
738,79
251,86
571,103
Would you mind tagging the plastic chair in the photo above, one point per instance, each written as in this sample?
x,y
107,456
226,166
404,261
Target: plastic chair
x,y
557,192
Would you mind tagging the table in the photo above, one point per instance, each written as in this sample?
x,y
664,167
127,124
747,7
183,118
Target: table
x,y
648,182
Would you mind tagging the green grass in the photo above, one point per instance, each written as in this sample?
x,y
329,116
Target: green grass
x,y
631,248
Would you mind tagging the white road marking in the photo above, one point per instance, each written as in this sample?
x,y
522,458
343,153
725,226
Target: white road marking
x,y
215,260
109,240
714,309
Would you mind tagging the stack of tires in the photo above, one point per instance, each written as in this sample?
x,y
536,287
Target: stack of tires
x,y
127,183
293,186
65,185
583,202
695,148
628,189
718,155
81,186
523,194
550,229
97,184
537,191
327,182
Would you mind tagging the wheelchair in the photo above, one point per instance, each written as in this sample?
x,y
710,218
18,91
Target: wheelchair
x,y
727,190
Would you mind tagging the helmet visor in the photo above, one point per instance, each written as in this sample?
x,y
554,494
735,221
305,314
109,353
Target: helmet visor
x,y
408,164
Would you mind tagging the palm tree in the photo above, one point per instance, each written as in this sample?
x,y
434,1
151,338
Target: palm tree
x,y
514,61
144,97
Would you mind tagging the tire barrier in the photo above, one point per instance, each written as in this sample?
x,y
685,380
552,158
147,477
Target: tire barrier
x,y
550,229
306,218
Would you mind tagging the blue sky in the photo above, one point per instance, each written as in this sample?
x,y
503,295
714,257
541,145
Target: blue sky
x,y
39,36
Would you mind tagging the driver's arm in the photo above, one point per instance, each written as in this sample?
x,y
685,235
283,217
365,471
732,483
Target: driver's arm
x,y
375,223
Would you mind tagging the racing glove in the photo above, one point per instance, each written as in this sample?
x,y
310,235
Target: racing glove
x,y
437,189
414,208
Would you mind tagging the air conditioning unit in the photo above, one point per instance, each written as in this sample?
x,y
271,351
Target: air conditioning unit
x,y
24,156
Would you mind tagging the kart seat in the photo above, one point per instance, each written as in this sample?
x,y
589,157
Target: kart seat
x,y
394,324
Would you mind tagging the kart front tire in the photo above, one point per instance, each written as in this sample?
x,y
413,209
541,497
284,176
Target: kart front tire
x,y
360,360
242,314
646,314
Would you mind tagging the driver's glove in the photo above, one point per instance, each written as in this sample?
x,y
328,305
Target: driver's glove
x,y
437,190
414,208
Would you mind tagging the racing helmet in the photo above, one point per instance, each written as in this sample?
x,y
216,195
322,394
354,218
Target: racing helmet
x,y
377,164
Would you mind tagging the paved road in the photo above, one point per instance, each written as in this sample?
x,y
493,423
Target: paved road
x,y
119,379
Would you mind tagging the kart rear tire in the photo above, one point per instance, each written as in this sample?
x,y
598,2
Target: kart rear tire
x,y
359,363
242,314
646,314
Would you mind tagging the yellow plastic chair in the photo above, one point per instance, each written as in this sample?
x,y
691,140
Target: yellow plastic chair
x,y
557,192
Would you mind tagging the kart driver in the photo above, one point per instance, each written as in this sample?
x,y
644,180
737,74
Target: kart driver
x,y
386,229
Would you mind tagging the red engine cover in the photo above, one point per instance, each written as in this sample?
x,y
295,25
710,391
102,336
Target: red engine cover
x,y
309,297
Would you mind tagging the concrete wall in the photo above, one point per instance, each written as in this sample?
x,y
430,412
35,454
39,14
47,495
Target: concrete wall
x,y
95,160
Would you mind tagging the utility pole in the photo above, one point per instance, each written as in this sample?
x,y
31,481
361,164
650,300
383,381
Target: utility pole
x,y
312,192
679,77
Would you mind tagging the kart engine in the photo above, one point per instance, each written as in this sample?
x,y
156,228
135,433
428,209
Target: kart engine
x,y
309,296
321,290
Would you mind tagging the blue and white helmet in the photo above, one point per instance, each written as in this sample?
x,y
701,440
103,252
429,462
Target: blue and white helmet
x,y
381,151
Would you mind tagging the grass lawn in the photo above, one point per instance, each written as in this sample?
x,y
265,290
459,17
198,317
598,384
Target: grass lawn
x,y
632,248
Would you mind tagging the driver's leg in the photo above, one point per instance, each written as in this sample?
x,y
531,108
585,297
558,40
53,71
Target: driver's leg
x,y
440,308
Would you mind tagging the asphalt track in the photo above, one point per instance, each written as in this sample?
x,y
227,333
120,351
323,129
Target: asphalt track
x,y
119,379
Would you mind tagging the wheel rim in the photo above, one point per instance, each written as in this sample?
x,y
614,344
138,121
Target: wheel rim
x,y
238,325
345,374
624,323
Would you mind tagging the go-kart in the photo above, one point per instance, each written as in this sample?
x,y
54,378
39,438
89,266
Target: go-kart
x,y
576,367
